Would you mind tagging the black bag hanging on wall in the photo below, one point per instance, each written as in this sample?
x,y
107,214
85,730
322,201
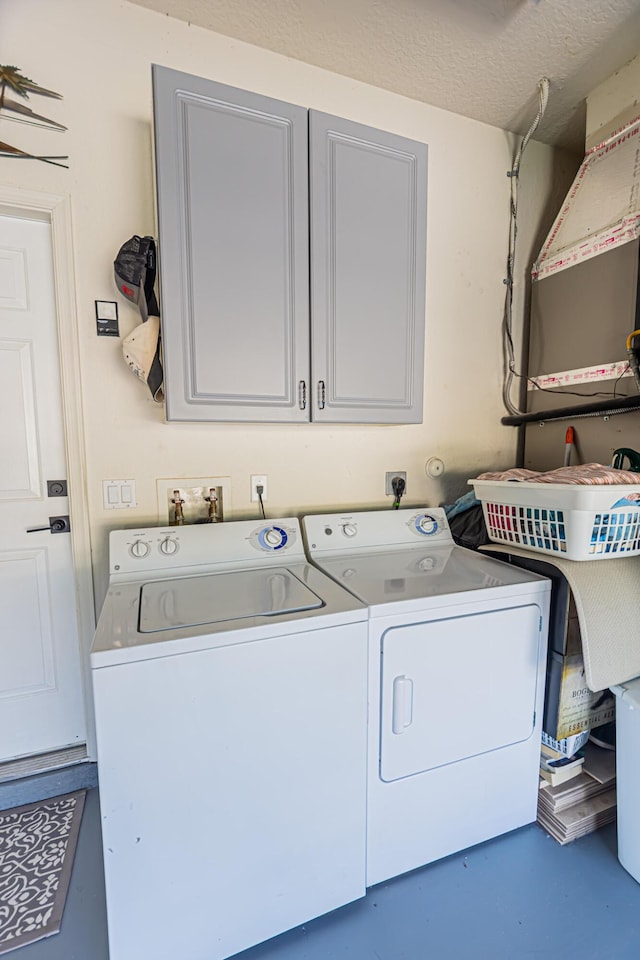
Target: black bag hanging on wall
x,y
135,276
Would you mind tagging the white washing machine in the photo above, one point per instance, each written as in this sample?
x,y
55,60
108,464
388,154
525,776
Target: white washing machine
x,y
230,693
457,653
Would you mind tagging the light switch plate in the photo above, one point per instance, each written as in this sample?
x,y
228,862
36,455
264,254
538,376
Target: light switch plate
x,y
118,494
107,318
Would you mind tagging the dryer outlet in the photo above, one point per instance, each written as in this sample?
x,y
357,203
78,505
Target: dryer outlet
x,y
389,477
194,499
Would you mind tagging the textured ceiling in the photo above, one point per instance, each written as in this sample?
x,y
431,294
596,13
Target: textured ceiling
x,y
479,58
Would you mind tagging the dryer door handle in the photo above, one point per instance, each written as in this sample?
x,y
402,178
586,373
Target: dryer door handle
x,y
402,714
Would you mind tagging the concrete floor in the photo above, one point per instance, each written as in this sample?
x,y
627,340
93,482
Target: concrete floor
x,y
517,897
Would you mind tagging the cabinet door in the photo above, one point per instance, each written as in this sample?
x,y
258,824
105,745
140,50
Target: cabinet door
x,y
368,263
232,178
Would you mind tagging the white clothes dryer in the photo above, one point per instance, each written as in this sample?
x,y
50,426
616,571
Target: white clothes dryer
x,y
457,655
230,695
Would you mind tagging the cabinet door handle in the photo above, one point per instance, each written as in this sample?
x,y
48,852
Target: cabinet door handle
x,y
321,394
302,394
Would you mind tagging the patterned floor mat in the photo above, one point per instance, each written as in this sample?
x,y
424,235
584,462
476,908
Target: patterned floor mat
x,y
37,847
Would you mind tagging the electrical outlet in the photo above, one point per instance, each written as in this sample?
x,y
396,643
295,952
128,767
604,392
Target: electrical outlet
x,y
389,477
258,481
194,494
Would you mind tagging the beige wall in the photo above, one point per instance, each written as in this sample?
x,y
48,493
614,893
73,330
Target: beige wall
x,y
98,53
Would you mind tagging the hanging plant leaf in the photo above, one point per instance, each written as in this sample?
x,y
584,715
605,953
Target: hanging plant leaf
x,y
8,151
7,148
41,91
27,112
11,78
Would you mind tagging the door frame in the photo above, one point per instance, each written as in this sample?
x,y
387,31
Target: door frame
x,y
56,210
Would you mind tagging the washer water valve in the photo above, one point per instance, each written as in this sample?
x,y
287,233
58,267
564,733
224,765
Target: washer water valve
x,y
212,512
178,501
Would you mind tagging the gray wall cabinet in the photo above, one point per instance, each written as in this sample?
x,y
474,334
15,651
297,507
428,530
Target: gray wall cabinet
x,y
243,183
231,171
368,257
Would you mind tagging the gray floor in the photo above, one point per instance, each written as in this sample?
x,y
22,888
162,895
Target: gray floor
x,y
518,897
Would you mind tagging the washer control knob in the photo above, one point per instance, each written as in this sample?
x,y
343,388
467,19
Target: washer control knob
x,y
349,529
427,563
426,524
168,546
139,549
273,537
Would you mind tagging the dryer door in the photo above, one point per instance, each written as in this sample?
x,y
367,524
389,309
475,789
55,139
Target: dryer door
x,y
457,687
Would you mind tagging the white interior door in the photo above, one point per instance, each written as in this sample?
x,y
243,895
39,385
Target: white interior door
x,y
41,692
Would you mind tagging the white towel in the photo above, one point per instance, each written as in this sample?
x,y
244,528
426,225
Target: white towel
x,y
590,474
606,598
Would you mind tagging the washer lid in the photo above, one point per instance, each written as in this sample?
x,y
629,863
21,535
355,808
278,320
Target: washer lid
x,y
220,597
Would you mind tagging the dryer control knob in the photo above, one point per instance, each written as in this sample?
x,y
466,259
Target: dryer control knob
x,y
273,537
349,529
426,524
139,549
427,563
168,546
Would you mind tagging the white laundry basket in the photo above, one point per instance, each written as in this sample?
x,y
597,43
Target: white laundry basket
x,y
628,774
575,521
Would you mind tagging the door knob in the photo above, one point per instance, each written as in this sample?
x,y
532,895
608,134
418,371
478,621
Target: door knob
x,y
55,525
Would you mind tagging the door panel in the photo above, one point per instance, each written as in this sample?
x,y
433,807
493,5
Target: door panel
x,y
41,695
20,476
233,218
26,668
368,262
455,688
